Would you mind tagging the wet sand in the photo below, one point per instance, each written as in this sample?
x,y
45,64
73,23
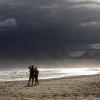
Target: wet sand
x,y
67,88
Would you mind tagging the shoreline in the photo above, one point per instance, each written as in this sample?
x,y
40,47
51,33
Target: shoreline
x,y
65,77
45,74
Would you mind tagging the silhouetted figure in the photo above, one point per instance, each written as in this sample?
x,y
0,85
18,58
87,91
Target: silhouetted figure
x,y
36,76
31,76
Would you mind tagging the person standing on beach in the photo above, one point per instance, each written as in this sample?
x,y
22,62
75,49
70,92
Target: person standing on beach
x,y
36,76
32,73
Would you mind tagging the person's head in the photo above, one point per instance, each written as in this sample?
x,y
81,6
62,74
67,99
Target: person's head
x,y
35,68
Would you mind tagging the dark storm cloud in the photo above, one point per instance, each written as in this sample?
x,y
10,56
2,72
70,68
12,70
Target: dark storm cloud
x,y
48,28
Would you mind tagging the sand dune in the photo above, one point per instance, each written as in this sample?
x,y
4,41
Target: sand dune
x,y
71,88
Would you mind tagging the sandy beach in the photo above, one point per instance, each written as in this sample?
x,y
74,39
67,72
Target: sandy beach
x,y
67,88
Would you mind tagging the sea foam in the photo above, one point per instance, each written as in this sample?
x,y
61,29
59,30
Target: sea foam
x,y
45,73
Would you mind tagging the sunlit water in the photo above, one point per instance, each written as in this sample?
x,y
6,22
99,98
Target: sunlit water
x,y
23,74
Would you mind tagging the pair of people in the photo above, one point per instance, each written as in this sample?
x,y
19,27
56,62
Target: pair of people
x,y
33,75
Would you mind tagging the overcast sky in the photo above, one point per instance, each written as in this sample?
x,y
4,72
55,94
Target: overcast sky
x,y
55,29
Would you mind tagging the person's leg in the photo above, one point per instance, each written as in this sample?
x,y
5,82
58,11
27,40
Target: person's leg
x,y
37,80
32,80
29,80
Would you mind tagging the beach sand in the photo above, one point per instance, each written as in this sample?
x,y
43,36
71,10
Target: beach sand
x,y
67,88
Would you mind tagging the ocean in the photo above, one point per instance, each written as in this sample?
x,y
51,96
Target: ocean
x,y
15,74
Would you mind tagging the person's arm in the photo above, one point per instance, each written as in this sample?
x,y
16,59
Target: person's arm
x,y
30,67
38,71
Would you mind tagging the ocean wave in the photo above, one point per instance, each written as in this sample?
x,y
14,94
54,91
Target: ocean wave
x,y
45,73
